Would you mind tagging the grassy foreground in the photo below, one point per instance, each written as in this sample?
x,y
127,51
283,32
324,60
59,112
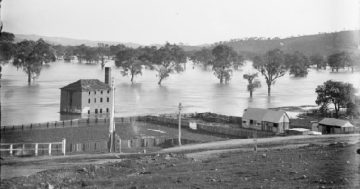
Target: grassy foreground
x,y
326,162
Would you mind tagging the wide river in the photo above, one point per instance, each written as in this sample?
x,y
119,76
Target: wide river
x,y
197,89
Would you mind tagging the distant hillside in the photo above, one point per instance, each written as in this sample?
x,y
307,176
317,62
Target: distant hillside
x,y
68,41
324,43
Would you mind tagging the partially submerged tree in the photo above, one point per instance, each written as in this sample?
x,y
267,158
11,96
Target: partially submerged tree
x,y
103,51
31,55
128,60
7,48
224,58
318,60
271,66
298,64
338,60
252,82
203,56
337,93
168,59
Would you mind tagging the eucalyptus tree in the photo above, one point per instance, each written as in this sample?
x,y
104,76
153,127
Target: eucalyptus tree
x,y
224,58
271,65
338,60
203,57
297,63
128,60
168,59
31,55
252,82
7,48
318,60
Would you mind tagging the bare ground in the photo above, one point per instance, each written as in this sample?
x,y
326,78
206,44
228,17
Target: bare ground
x,y
284,162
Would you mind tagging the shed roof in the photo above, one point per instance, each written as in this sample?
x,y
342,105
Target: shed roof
x,y
87,85
264,114
335,122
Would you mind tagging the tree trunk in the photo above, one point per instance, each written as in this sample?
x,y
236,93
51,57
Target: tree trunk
x,y
29,77
132,78
159,83
269,90
251,93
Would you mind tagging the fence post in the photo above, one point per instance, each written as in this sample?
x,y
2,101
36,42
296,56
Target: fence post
x,y
36,149
11,149
49,149
64,146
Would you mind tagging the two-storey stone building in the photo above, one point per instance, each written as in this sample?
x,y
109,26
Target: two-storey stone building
x,y
87,96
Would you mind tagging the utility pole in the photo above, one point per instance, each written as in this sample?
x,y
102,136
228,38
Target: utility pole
x,y
180,107
112,123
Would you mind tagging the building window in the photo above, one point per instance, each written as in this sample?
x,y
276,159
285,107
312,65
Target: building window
x,y
94,92
89,101
95,100
88,111
100,99
107,110
108,91
89,92
276,124
107,99
251,121
96,111
101,110
101,92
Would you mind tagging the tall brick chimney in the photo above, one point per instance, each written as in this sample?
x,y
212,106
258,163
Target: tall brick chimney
x,y
107,75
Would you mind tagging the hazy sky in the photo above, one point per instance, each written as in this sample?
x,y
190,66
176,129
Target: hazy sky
x,y
187,21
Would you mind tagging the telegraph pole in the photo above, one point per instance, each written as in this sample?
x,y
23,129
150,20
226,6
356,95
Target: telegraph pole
x,y
180,107
112,123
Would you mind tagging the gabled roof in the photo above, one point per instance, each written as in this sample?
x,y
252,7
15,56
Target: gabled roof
x,y
87,85
264,114
335,122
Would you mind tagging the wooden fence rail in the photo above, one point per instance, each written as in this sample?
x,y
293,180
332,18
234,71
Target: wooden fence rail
x,y
28,149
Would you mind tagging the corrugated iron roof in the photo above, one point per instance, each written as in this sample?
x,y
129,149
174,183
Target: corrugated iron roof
x,y
335,122
87,85
264,114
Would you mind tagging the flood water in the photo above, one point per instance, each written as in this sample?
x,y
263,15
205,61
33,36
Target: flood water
x,y
197,89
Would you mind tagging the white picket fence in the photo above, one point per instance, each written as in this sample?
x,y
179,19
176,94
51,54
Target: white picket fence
x,y
22,149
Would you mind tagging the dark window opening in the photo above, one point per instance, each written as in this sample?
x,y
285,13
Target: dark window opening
x,y
100,110
94,92
89,100
251,121
108,91
276,124
100,99
94,99
107,110
89,92
88,111
107,99
101,92
96,111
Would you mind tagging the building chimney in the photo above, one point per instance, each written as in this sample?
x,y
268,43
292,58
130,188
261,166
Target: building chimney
x,y
107,75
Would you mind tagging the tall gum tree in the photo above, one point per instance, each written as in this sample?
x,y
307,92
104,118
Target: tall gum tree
x,y
31,55
167,60
224,59
271,65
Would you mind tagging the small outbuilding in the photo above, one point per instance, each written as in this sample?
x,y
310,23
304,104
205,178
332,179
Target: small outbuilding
x,y
276,121
335,126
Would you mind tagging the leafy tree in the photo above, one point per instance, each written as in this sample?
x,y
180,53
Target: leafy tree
x,y
69,53
334,92
103,50
338,60
167,60
252,84
128,60
318,60
80,52
7,48
31,55
114,49
271,65
203,56
298,64
224,58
